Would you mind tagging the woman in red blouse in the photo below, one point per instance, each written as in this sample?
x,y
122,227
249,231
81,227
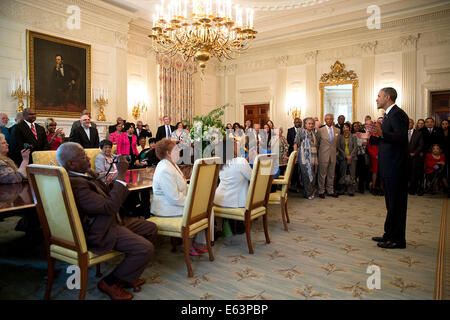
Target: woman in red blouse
x,y
434,165
54,136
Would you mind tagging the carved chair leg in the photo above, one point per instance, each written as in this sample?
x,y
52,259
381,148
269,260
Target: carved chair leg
x,y
50,276
186,255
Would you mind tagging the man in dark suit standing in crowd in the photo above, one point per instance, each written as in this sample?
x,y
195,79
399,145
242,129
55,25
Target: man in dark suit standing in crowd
x,y
112,128
28,132
165,130
141,132
77,123
292,132
105,229
392,140
340,123
86,135
415,146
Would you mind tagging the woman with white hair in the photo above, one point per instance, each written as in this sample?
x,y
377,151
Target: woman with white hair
x,y
9,173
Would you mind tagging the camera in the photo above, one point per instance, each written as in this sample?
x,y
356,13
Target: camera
x,y
116,160
28,146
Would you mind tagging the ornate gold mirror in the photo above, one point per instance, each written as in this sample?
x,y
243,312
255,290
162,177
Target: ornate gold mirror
x,y
338,92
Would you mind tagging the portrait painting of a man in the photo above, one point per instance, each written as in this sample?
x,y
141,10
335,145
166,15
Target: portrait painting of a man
x,y
59,75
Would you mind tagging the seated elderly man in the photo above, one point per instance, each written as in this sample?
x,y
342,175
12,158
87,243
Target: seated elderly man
x,y
105,230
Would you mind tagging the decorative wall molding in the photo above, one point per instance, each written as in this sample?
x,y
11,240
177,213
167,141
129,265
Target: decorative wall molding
x,y
368,48
121,40
409,42
282,61
311,57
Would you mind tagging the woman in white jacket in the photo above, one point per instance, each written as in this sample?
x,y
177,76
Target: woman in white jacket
x,y
170,190
234,179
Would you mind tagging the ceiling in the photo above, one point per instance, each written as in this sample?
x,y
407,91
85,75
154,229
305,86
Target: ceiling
x,y
277,20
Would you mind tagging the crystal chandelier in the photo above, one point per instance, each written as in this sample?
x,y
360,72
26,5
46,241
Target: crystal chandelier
x,y
209,31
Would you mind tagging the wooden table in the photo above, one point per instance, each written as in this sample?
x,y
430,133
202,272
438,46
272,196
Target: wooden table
x,y
139,179
15,196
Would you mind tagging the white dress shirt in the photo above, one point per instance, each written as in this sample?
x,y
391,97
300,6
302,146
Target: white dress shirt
x,y
169,190
88,132
389,109
233,187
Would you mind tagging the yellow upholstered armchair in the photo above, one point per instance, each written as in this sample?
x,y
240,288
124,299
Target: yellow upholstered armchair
x,y
61,225
257,197
280,196
45,157
48,157
197,208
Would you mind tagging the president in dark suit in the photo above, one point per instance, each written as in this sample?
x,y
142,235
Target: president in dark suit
x,y
165,130
27,131
392,140
415,147
105,229
86,135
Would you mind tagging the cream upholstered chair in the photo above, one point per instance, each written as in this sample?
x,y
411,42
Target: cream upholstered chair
x,y
280,196
257,197
61,225
114,149
48,157
197,208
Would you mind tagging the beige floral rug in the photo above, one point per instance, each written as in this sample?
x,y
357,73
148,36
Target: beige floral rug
x,y
324,255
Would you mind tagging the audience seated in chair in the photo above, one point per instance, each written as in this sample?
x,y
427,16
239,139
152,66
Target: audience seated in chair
x,y
9,173
233,187
170,190
98,206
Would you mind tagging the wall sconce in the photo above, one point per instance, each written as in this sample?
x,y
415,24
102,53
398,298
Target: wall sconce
x,y
101,100
294,112
138,108
20,89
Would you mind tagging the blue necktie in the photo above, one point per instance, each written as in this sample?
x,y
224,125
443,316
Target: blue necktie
x,y
330,132
168,132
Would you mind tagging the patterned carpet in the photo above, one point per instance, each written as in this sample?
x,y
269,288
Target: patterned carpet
x,y
324,255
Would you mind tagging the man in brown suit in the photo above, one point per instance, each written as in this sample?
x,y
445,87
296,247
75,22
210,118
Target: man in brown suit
x,y
328,137
98,206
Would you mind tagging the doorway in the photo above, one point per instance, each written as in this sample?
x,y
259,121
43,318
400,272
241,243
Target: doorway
x,y
258,113
440,106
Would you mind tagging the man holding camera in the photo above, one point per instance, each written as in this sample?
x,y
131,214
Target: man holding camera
x,y
98,205
29,135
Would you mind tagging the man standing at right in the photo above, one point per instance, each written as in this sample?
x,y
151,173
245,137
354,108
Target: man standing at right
x,y
328,137
392,140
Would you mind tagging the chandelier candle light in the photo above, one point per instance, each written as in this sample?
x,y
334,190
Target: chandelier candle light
x,y
209,31
101,100
20,89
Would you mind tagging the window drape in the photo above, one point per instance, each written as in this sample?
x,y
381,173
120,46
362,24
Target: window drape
x,y
176,88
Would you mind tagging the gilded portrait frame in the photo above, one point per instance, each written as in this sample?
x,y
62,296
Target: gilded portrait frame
x,y
79,98
338,76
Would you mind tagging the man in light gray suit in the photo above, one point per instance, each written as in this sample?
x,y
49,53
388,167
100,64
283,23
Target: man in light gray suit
x,y
328,137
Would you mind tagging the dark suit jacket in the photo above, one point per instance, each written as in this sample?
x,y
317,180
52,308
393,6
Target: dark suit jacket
x,y
416,144
143,133
161,133
77,124
81,137
393,146
291,139
430,138
23,134
98,206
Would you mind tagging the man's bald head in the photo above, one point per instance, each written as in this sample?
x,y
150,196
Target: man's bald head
x,y
72,157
